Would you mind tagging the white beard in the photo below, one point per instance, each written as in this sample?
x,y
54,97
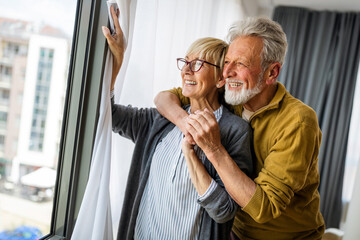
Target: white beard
x,y
242,96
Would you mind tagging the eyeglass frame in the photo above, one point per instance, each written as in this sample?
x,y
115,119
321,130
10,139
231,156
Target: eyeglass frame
x,y
190,63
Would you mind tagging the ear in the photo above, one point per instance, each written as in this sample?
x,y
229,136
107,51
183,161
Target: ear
x,y
221,82
273,73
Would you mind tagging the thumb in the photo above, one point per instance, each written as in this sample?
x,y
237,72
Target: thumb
x,y
189,139
105,31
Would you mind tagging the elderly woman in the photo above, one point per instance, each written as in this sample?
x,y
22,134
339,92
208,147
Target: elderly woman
x,y
173,191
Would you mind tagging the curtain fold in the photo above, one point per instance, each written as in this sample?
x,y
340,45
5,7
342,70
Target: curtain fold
x,y
321,69
95,212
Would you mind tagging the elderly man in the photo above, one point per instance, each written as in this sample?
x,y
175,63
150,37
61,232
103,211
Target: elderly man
x,y
282,201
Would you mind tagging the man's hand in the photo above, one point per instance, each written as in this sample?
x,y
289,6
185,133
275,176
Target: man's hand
x,y
205,131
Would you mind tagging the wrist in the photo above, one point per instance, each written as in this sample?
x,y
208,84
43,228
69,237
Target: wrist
x,y
215,154
180,121
189,153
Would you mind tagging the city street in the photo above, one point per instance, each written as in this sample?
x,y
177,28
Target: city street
x,y
15,211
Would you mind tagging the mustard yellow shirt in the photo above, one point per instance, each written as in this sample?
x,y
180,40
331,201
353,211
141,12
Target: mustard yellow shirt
x,y
286,203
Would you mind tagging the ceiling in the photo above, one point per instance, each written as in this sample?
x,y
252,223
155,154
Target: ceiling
x,y
334,5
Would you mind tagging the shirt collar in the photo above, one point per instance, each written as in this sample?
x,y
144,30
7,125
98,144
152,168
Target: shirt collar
x,y
274,103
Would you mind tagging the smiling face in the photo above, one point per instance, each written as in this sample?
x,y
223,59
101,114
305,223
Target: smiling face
x,y
201,84
242,70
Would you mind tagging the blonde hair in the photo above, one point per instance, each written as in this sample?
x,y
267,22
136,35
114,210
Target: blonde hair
x,y
212,50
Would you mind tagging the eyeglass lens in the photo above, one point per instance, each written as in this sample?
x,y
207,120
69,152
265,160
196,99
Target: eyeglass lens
x,y
195,65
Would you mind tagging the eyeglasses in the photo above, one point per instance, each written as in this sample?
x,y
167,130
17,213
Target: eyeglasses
x,y
195,65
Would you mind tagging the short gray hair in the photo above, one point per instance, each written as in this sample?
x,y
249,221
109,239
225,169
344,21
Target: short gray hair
x,y
272,34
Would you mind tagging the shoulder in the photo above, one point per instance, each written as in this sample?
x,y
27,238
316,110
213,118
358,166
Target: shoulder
x,y
233,128
296,111
230,121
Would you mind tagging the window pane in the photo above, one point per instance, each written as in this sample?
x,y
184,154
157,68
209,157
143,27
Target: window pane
x,y
35,45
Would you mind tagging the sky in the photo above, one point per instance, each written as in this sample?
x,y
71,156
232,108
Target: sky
x,y
57,13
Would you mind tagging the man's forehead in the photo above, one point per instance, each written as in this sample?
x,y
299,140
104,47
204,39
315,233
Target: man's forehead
x,y
244,46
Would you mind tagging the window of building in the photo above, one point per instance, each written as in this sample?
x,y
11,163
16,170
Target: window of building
x,y
3,119
2,142
5,73
4,96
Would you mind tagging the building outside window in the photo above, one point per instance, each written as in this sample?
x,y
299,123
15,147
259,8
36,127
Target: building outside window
x,y
34,59
40,102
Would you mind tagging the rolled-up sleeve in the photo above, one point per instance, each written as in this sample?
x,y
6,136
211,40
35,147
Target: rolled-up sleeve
x,y
218,204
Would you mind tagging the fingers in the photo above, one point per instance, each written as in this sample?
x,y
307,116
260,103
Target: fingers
x,y
203,120
116,21
191,131
110,38
114,14
107,34
209,116
189,138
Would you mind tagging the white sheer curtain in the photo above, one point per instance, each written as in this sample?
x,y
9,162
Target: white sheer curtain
x,y
157,32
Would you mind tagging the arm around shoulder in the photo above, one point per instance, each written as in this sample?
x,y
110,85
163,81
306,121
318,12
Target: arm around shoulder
x,y
168,104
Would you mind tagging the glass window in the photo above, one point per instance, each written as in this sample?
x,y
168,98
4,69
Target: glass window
x,y
3,119
35,42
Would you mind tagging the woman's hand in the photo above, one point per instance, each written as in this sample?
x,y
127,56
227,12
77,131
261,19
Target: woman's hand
x,y
204,129
116,45
198,174
187,147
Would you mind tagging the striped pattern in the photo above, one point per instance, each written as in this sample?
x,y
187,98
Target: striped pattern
x,y
168,208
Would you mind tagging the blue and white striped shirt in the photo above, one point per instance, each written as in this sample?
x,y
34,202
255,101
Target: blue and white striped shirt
x,y
169,208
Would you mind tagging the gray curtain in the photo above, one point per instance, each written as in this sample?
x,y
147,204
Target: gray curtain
x,y
321,69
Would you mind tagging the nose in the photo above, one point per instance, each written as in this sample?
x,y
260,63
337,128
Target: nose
x,y
229,70
186,69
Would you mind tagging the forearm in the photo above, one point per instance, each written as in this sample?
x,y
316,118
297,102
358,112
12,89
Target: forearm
x,y
169,106
131,122
212,197
198,174
240,187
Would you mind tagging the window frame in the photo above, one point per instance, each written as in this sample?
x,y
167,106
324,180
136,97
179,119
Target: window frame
x,y
80,117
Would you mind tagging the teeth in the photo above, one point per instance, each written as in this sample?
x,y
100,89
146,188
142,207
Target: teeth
x,y
235,84
190,82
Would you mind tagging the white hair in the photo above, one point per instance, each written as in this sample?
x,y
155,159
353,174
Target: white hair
x,y
272,34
